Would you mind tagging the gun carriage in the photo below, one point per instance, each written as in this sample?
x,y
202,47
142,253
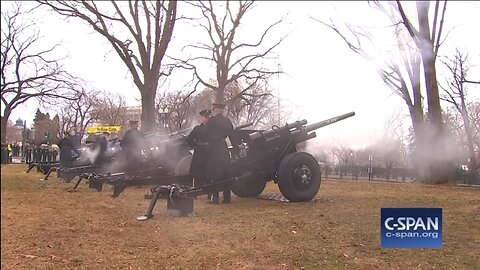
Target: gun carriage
x,y
264,156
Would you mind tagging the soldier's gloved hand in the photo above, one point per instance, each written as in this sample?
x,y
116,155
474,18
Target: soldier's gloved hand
x,y
235,154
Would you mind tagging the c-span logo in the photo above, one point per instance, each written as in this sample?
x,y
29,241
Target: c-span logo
x,y
411,227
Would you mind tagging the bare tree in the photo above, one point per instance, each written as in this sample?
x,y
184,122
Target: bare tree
x,y
343,155
110,109
177,109
415,47
28,71
250,106
399,68
456,93
456,128
147,30
79,113
233,60
428,40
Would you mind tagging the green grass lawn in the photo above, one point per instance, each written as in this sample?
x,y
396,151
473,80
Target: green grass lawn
x,y
43,226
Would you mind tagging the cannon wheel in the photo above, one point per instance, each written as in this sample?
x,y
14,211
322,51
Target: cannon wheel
x,y
249,187
183,165
299,177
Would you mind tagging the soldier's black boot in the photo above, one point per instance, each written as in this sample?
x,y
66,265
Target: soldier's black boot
x,y
226,196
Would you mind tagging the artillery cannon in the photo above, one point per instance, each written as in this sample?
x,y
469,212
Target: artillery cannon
x,y
166,160
264,156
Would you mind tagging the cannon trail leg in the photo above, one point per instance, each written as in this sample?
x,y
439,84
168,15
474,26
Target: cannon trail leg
x,y
49,172
30,167
76,183
117,190
149,215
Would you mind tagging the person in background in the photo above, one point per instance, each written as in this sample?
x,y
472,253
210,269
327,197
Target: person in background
x,y
197,139
4,158
15,149
44,148
218,129
10,155
35,153
28,153
55,150
66,148
48,149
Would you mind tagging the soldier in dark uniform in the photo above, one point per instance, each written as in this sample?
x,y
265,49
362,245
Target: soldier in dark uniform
x,y
66,147
197,138
28,154
132,145
219,168
76,138
35,153
102,145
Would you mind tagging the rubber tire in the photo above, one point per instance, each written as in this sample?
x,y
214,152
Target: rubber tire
x,y
286,181
183,166
249,187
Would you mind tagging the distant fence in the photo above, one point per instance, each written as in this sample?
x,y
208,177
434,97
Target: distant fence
x,y
346,172
367,173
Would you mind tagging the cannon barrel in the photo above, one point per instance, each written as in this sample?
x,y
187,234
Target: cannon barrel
x,y
274,132
327,122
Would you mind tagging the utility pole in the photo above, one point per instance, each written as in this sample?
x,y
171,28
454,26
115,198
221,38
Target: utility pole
x,y
24,141
278,90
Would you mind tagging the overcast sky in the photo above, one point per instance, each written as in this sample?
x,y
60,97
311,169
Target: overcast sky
x,y
323,77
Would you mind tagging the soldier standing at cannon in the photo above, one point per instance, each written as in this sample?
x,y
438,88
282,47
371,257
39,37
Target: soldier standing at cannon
x,y
132,145
218,129
197,138
102,144
66,147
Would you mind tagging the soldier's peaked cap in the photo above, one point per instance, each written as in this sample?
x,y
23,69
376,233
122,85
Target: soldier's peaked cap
x,y
205,112
219,105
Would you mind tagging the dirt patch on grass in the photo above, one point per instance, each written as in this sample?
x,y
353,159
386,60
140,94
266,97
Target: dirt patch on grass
x,y
45,227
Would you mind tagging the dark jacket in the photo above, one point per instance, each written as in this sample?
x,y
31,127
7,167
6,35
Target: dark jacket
x,y
132,142
197,138
218,129
66,148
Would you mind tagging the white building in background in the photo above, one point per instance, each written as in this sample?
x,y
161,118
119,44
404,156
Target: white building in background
x,y
134,113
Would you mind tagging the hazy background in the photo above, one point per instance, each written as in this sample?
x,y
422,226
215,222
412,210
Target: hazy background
x,y
323,78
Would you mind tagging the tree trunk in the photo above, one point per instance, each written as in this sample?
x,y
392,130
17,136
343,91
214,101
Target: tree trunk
x,y
6,114
220,95
436,142
148,109
4,128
